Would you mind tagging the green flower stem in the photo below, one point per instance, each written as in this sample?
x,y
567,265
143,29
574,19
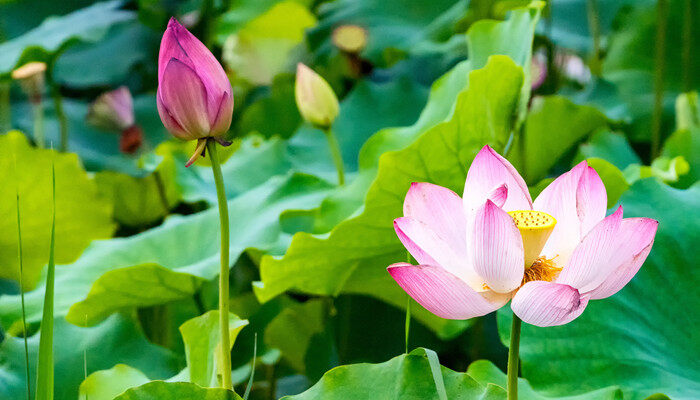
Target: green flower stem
x,y
659,70
337,156
162,194
38,111
5,108
687,45
594,27
60,115
513,358
223,276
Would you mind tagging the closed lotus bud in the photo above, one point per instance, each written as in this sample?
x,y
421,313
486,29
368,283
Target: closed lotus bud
x,y
315,98
31,78
112,111
195,99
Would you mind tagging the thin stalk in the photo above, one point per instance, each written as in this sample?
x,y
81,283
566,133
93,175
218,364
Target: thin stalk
x,y
21,292
407,328
513,358
224,274
660,70
594,27
337,156
45,373
5,108
252,369
38,111
60,115
161,191
687,45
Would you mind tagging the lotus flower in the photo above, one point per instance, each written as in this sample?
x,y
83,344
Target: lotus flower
x,y
195,99
551,256
112,111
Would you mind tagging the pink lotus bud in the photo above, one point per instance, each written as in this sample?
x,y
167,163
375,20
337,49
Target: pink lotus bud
x,y
195,99
112,111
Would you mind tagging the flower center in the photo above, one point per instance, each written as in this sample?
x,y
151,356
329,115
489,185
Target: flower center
x,y
543,269
535,228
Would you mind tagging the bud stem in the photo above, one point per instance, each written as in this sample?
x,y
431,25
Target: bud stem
x,y
60,115
38,110
224,275
337,156
5,113
514,358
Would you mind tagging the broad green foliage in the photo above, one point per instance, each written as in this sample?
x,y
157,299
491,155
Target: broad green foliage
x,y
486,372
202,343
185,250
132,41
176,390
685,141
406,377
260,50
610,146
639,339
81,216
117,340
107,384
403,25
55,34
553,126
293,329
141,201
353,259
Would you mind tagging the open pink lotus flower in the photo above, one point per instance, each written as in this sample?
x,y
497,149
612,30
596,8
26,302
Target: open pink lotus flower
x,y
550,257
194,96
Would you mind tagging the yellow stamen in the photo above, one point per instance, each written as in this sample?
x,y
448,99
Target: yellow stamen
x,y
535,228
543,269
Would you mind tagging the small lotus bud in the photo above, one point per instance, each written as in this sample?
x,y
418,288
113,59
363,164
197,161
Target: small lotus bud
x,y
350,38
315,98
31,77
194,98
112,111
538,70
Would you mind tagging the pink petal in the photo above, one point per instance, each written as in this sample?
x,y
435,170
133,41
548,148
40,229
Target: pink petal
x,y
442,293
633,246
589,264
577,201
488,172
543,303
440,209
497,249
427,247
183,95
178,43
168,121
499,195
223,118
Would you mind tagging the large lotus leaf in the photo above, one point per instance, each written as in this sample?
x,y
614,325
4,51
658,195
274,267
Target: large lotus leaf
x,y
612,147
631,66
354,257
553,126
18,17
140,201
644,338
117,340
405,25
203,345
184,245
81,215
98,150
484,372
87,25
176,390
405,377
262,48
293,329
107,384
134,44
241,12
